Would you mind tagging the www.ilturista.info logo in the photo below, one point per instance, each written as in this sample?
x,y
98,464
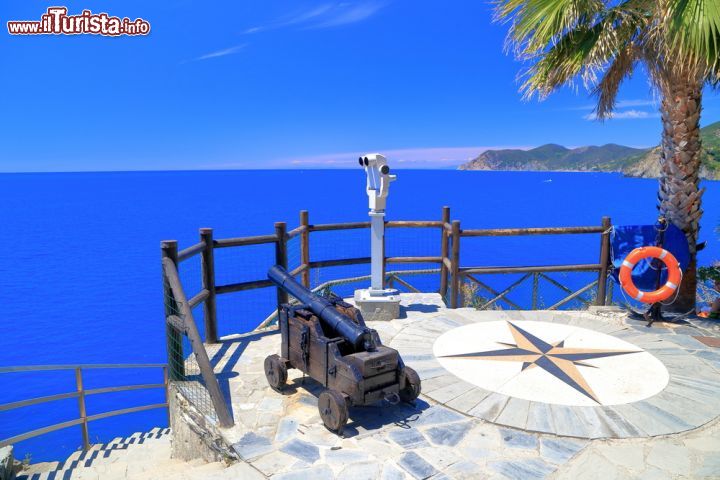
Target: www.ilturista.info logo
x,y
57,22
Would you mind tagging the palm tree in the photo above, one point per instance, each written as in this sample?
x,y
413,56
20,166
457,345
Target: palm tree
x,y
600,43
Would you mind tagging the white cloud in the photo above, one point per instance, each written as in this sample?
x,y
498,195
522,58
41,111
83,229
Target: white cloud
x,y
631,114
218,53
296,19
324,16
636,103
622,104
345,15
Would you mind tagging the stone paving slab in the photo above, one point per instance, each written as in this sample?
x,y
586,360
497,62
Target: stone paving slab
x,y
679,407
461,431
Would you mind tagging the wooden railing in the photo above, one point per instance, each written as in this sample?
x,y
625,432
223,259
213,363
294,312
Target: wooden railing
x,y
452,234
81,393
452,274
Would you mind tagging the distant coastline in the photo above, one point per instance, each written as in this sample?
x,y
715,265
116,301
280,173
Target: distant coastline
x,y
610,158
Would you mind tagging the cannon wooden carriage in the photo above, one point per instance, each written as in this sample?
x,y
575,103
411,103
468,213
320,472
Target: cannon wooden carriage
x,y
327,339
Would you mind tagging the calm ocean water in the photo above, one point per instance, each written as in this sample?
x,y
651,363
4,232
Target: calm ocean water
x,y
80,276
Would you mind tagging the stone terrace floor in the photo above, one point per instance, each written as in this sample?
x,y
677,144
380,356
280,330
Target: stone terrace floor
x,y
619,400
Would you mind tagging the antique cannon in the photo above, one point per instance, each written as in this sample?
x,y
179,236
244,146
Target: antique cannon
x,y
328,340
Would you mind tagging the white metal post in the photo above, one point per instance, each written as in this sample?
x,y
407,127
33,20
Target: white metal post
x,y
377,189
376,302
377,234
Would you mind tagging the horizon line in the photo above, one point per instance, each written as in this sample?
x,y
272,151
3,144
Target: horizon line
x,y
289,168
454,169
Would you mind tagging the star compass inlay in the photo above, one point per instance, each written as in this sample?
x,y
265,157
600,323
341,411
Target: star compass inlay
x,y
554,358
550,363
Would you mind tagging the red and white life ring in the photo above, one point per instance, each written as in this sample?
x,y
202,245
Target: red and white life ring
x,y
662,293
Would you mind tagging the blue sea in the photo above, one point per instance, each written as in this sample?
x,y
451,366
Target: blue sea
x,y
80,274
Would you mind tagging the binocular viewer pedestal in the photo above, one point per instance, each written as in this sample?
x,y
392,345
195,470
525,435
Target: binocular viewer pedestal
x,y
376,302
378,305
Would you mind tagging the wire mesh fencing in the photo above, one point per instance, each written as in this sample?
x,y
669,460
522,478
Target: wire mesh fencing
x,y
183,369
242,311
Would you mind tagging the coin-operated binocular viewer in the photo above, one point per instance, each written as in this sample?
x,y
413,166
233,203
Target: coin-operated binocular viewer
x,y
377,302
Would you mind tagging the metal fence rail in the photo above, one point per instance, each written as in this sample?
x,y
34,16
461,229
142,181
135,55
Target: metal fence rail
x,y
80,393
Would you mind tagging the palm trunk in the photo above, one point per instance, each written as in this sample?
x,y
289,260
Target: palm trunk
x,y
679,196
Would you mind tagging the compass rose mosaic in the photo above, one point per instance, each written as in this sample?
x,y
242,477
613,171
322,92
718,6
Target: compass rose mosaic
x,y
551,363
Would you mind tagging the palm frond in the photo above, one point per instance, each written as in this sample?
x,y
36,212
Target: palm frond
x,y
622,25
607,89
577,43
562,62
622,31
537,23
692,32
566,40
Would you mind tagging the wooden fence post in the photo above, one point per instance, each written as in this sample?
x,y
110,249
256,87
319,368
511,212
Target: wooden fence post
x,y
281,256
444,241
455,288
604,261
83,410
207,260
305,247
176,360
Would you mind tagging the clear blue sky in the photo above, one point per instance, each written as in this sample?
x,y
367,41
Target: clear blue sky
x,y
268,84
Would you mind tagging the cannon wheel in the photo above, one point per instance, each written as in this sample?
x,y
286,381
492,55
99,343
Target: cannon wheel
x,y
410,391
275,372
333,410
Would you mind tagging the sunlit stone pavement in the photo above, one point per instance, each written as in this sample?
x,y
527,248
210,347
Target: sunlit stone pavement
x,y
461,430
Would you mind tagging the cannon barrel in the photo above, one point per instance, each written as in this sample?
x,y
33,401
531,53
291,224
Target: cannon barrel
x,y
359,336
